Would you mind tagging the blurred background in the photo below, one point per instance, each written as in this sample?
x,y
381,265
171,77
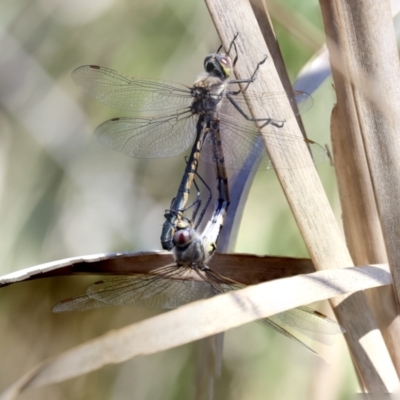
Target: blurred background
x,y
62,194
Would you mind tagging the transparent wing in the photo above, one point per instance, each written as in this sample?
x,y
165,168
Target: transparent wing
x,y
308,319
302,317
242,143
164,136
154,291
284,332
300,103
78,303
128,93
168,135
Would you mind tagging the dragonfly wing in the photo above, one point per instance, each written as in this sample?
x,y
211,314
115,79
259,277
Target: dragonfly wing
x,y
143,291
78,303
300,103
271,323
302,317
243,146
308,319
163,136
149,291
246,145
128,93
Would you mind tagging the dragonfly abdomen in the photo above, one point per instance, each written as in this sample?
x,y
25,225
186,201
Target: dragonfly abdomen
x,y
175,214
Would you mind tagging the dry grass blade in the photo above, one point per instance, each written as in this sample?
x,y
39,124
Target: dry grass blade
x,y
233,266
306,196
295,23
107,263
201,319
236,266
365,141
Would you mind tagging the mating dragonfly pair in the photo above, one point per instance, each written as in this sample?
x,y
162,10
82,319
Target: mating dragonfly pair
x,y
213,114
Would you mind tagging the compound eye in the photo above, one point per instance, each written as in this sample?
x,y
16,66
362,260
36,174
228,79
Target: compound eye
x,y
224,60
182,237
207,60
209,67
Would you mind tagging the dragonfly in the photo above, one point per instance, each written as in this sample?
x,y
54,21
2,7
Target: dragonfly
x,y
167,287
190,279
211,113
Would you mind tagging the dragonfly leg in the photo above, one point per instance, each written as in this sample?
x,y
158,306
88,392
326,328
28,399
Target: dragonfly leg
x,y
172,215
251,79
210,195
197,203
233,44
196,206
267,121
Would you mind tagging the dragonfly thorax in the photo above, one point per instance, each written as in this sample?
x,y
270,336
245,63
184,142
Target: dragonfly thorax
x,y
207,93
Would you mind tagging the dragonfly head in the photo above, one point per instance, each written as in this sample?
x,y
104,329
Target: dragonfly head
x,y
219,65
189,250
183,237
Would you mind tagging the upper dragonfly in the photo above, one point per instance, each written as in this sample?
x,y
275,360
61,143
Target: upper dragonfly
x,y
212,113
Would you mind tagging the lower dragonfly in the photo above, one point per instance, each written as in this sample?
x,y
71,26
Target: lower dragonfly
x,y
190,279
212,113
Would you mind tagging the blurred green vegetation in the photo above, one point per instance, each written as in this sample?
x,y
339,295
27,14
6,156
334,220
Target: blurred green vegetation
x,y
63,195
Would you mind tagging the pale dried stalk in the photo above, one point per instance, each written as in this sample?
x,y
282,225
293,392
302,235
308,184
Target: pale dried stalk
x,y
244,268
198,320
361,224
299,27
306,197
364,57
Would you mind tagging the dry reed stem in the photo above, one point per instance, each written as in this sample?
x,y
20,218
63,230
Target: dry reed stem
x,y
244,268
306,196
300,28
365,70
198,320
